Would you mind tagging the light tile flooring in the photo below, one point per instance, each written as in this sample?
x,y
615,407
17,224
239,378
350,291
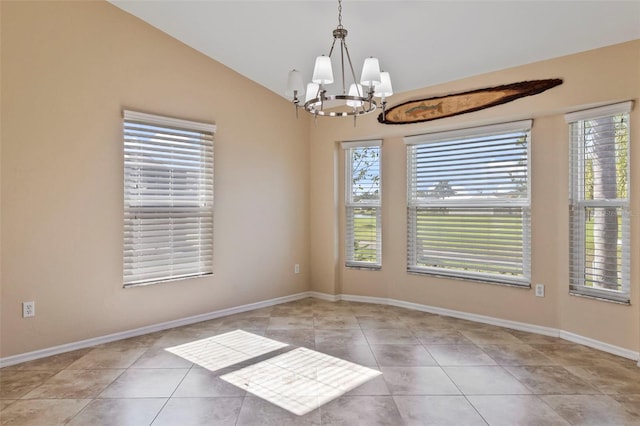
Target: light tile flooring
x,y
435,371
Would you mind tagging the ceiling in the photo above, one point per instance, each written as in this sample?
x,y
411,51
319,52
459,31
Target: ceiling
x,y
421,43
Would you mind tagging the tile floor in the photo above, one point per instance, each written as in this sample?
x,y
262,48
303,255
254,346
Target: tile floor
x,y
435,371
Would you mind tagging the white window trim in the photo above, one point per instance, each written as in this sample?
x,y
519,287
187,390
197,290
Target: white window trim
x,y
599,112
576,201
349,204
449,135
168,121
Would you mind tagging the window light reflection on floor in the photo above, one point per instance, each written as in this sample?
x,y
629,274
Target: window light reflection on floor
x,y
224,350
300,380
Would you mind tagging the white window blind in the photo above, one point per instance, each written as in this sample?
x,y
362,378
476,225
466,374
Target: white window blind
x,y
599,202
469,203
168,198
363,233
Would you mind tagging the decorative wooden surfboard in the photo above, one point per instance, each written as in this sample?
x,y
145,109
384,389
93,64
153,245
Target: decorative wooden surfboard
x,y
461,103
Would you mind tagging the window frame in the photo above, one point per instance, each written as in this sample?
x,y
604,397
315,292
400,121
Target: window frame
x,y
578,204
414,205
351,205
168,224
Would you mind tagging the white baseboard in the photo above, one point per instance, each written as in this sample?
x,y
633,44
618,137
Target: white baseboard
x,y
547,331
324,296
596,344
456,314
515,325
42,353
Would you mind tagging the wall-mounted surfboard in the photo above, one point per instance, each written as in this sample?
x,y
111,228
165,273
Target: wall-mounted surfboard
x,y
438,107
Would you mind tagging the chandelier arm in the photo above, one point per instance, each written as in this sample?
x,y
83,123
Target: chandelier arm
x,y
342,47
332,45
353,73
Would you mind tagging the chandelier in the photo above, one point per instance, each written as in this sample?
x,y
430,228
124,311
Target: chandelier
x,y
359,100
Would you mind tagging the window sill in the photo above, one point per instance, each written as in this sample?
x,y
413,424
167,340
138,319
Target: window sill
x,y
526,286
363,267
600,298
166,281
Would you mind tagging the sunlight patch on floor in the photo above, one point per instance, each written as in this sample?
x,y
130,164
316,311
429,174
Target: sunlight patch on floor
x,y
300,380
224,350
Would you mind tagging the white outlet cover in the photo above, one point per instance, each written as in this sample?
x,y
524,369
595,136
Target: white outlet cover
x,y
28,309
540,290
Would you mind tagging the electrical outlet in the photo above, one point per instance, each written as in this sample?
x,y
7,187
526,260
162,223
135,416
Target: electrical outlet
x,y
296,268
28,309
539,290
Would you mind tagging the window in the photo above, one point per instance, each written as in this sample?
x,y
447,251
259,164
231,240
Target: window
x,y
599,202
469,203
362,201
168,199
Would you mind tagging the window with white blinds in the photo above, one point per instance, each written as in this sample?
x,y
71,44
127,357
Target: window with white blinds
x,y
363,233
599,202
469,203
168,199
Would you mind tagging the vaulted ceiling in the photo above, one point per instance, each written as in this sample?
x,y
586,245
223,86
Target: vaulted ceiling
x,y
421,43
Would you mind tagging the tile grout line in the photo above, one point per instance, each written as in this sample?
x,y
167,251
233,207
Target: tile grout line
x,y
171,396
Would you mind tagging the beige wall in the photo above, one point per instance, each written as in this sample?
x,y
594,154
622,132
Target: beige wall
x,y
68,69
597,77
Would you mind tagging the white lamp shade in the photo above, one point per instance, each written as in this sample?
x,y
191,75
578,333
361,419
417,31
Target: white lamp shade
x,y
294,83
384,89
370,72
312,92
355,91
322,72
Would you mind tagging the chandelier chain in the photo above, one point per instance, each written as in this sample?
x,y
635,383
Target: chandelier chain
x,y
339,13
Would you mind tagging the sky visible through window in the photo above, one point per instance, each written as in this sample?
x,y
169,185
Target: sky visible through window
x,y
479,167
365,183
